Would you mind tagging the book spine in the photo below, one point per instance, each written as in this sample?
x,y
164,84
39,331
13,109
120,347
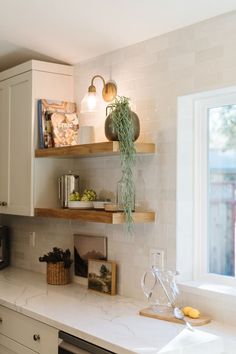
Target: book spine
x,y
40,125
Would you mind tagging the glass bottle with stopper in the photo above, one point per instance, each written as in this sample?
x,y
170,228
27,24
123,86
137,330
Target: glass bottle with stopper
x,y
140,193
120,197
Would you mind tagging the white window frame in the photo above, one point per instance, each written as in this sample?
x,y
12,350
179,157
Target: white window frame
x,y
192,167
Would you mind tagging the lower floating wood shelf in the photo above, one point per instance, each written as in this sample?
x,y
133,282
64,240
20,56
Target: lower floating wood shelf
x,y
91,215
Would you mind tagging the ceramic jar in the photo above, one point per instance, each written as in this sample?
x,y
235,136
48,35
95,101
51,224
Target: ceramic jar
x,y
110,131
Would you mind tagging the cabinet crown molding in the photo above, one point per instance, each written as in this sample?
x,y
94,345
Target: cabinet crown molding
x,y
37,65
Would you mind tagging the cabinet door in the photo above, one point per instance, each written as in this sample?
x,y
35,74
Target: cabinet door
x,y
9,346
4,140
22,329
4,350
20,135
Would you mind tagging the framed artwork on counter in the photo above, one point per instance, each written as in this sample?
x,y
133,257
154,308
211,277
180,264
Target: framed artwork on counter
x,y
88,247
102,276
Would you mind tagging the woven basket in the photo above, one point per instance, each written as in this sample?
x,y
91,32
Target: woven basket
x,y
57,274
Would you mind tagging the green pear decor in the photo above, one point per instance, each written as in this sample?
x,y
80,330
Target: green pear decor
x,y
125,128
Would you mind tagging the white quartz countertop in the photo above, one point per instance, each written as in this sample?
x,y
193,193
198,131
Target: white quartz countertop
x,y
109,321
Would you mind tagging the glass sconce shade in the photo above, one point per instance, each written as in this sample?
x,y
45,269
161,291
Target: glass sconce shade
x,y
89,102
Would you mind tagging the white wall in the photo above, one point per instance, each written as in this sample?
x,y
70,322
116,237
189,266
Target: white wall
x,y
153,74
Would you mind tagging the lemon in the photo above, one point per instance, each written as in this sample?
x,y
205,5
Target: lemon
x,y
194,313
186,310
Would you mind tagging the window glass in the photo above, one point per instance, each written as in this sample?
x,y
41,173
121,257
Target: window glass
x,y
222,190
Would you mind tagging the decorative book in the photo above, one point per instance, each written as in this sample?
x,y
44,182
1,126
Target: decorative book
x,y
58,123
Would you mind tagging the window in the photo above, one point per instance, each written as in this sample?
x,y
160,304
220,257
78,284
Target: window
x,y
221,189
206,186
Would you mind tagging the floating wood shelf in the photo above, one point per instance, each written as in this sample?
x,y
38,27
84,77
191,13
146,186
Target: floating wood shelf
x,y
91,215
91,150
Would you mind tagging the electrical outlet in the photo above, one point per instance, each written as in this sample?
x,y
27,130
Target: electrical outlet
x,y
156,258
32,239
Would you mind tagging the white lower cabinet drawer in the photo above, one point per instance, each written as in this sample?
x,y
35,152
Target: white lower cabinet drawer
x,y
9,346
32,334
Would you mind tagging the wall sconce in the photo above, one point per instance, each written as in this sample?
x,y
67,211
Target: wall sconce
x,y
90,100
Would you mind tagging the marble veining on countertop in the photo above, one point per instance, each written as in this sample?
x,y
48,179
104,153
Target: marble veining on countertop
x,y
109,321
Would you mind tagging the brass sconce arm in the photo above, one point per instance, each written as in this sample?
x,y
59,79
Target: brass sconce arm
x,y
109,90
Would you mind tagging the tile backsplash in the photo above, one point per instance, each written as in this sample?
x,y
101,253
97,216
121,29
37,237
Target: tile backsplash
x,y
153,74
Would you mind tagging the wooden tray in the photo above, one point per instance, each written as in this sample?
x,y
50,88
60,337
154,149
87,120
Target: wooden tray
x,y
168,316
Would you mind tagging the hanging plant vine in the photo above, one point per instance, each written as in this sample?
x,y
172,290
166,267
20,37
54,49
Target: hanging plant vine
x,y
121,116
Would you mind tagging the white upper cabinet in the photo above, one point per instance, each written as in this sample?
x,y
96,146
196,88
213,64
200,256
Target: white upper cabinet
x,y
17,146
20,89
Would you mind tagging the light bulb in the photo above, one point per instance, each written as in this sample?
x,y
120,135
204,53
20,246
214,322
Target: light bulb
x,y
89,102
92,101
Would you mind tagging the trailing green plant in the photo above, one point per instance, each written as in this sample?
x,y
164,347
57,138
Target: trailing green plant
x,y
121,117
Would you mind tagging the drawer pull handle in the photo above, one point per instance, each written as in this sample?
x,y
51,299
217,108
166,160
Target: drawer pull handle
x,y
0,320
4,203
36,337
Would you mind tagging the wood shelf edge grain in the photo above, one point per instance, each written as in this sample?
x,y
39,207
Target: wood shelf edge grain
x,y
97,149
91,215
138,217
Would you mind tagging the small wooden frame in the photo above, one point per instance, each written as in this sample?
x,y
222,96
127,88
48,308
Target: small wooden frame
x,y
102,276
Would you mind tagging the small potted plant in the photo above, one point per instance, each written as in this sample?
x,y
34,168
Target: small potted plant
x,y
58,266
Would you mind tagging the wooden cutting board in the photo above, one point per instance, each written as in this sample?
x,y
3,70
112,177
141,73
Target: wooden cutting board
x,y
168,316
